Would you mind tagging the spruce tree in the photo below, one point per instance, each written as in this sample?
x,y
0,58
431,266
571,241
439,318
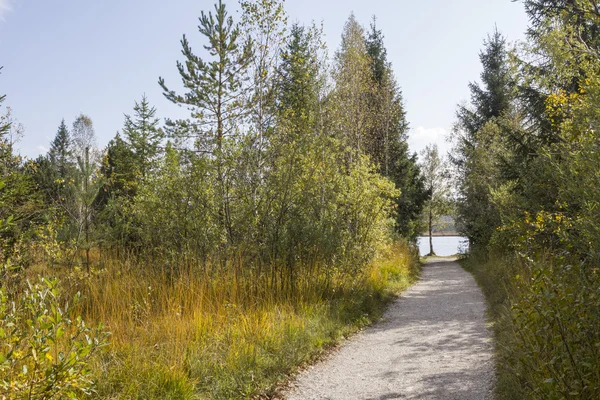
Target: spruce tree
x,y
55,173
378,53
490,101
387,137
60,154
299,80
142,135
351,116
493,98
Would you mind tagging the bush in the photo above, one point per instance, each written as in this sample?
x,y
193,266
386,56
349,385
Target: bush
x,y
546,314
44,354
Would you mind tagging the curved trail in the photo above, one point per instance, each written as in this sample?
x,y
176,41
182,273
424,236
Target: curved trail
x,y
433,343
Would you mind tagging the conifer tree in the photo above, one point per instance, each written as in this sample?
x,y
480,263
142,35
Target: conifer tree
x,y
121,180
60,154
215,96
142,135
387,137
55,171
119,171
353,87
491,100
300,80
215,90
476,214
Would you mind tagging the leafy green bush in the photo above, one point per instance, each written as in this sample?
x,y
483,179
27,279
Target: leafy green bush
x,y
44,353
546,314
556,314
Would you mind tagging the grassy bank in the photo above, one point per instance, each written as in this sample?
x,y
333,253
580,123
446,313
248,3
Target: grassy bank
x,y
493,276
546,316
196,335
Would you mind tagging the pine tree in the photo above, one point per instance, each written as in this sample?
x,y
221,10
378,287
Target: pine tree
x,y
142,135
215,96
215,88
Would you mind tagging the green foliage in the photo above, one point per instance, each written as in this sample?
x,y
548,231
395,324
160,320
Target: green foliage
x,y
44,353
176,210
215,90
143,138
387,138
480,144
276,198
351,118
546,315
531,173
300,81
20,203
556,312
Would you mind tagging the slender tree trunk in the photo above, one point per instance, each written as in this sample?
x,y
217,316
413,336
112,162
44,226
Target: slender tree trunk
x,y
431,253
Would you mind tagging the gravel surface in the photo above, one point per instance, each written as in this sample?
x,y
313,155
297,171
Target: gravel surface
x,y
433,343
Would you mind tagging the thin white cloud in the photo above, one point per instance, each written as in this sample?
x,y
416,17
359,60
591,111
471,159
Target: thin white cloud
x,y
420,137
4,8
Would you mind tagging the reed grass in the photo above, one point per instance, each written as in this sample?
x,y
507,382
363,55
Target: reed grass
x,y
231,334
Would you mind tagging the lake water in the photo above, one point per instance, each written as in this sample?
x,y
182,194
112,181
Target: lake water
x,y
443,245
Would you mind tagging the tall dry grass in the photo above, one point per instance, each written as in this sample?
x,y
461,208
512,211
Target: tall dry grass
x,y
188,331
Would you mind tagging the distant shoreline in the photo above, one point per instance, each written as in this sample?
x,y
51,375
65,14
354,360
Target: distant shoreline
x,y
439,234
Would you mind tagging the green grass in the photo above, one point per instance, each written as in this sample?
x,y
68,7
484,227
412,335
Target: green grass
x,y
493,275
199,338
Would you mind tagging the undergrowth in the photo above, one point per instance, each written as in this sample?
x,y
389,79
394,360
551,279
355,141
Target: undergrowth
x,y
194,335
546,313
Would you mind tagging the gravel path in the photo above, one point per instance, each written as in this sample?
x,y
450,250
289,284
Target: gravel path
x,y
433,343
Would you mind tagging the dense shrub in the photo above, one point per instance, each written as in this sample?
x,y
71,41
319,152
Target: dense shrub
x,y
44,351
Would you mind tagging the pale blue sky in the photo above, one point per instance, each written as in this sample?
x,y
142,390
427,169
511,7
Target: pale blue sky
x,y
64,57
